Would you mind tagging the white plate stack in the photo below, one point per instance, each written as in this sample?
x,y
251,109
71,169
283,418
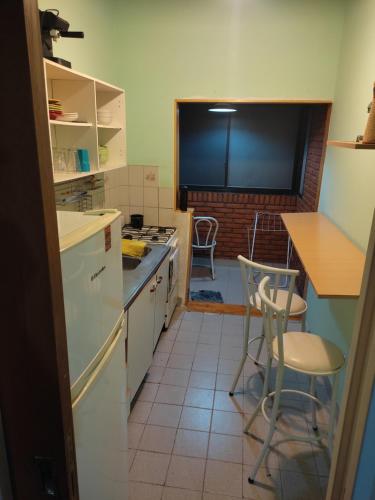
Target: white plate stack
x,y
104,117
68,117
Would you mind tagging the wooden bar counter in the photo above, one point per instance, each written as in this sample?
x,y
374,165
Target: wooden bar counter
x,y
332,262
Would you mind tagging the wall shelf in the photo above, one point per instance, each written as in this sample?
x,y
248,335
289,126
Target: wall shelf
x,y
60,177
350,145
109,127
70,124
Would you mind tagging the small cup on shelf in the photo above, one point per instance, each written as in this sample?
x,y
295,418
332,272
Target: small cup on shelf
x,y
104,117
84,161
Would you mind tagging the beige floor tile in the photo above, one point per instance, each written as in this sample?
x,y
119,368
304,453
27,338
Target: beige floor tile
x,y
164,345
148,392
207,350
170,394
140,412
202,380
210,339
173,376
231,341
149,467
211,496
156,438
226,422
165,415
131,457
190,443
180,361
225,448
205,363
225,402
224,383
187,336
155,374
230,352
187,348
179,494
190,326
227,366
186,472
211,327
197,419
296,457
199,398
160,359
267,485
170,334
135,432
251,449
298,486
223,478
143,491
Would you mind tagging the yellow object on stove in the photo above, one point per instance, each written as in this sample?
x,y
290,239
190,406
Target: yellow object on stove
x,y
133,248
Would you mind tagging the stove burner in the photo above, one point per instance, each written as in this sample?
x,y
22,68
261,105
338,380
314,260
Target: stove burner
x,y
127,236
153,234
162,230
155,238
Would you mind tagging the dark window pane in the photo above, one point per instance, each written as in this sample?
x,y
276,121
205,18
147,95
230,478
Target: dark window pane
x,y
262,146
203,138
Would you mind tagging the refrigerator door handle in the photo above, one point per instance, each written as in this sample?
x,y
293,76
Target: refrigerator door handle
x,y
103,362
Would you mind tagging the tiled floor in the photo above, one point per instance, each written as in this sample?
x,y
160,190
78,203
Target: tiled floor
x,y
185,432
228,279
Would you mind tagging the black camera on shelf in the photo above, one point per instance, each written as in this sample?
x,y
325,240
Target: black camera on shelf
x,y
52,28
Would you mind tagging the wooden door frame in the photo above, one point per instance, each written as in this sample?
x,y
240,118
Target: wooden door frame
x,y
360,377
35,397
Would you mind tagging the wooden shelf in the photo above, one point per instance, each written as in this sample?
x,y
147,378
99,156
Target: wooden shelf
x,y
109,127
60,177
350,145
70,124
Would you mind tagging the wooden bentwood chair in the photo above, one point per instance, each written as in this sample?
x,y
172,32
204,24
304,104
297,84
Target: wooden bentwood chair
x,y
205,229
302,352
287,299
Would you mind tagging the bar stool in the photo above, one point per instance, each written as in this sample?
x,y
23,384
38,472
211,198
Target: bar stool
x,y
287,299
301,352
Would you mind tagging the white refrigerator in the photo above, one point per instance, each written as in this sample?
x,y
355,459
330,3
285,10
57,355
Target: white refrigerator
x,y
90,247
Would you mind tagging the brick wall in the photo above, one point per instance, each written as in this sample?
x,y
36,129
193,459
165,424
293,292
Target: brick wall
x,y
235,212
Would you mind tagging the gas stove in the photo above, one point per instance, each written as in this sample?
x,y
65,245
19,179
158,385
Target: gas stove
x,y
151,234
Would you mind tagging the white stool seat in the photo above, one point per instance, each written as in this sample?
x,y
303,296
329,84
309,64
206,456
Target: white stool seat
x,y
297,306
309,353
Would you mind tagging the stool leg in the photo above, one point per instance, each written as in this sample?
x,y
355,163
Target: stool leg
x,y
244,353
303,322
313,404
264,394
260,346
332,416
212,263
272,424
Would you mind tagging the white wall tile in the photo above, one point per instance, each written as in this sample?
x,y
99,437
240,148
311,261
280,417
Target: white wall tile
x,y
135,210
166,217
135,175
151,216
150,197
136,196
124,195
124,176
125,214
151,176
109,179
165,197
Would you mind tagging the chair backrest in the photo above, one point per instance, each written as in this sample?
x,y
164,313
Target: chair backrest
x,y
205,229
274,319
249,269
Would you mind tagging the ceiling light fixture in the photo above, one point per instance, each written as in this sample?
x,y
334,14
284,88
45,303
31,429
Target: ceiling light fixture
x,y
222,108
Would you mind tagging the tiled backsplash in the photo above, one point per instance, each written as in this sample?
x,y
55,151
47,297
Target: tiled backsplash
x,y
135,190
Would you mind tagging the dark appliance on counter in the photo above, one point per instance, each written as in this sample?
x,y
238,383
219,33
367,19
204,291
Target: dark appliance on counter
x,y
52,28
136,221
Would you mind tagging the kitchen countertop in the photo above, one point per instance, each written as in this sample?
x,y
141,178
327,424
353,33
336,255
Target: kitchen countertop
x,y
136,279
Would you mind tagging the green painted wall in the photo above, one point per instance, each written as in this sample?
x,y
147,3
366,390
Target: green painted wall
x,y
348,187
218,48
93,54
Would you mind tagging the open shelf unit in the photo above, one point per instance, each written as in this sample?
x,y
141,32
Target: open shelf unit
x,y
86,95
350,145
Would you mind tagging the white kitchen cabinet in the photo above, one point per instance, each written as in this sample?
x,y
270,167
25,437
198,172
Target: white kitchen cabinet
x,y
146,317
141,336
161,299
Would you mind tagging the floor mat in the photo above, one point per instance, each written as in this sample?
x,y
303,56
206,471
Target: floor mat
x,y
207,296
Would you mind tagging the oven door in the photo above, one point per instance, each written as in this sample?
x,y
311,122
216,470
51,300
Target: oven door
x,y
173,269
